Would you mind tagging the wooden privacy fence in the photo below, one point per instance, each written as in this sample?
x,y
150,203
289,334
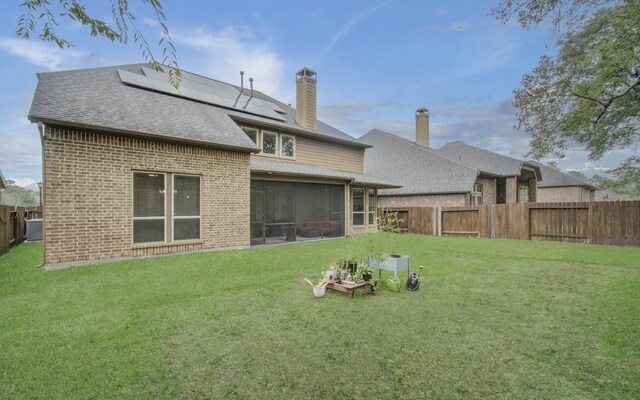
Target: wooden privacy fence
x,y
608,223
13,225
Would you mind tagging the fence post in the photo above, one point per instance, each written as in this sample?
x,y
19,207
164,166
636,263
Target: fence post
x,y
439,221
493,221
434,219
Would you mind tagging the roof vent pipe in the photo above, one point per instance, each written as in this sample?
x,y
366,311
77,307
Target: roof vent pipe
x,y
250,97
242,82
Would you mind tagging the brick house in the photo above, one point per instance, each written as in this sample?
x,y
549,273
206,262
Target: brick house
x,y
455,175
133,167
556,186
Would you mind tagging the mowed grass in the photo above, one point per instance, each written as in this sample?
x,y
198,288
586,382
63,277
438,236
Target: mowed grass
x,y
493,319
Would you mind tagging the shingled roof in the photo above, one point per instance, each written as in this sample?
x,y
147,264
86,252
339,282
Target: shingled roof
x,y
97,98
3,183
418,169
488,162
551,177
315,171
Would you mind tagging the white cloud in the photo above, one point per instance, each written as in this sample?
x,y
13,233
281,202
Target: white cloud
x,y
22,182
351,22
150,22
48,56
224,53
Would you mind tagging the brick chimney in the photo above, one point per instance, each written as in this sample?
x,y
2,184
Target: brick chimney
x,y
306,80
422,127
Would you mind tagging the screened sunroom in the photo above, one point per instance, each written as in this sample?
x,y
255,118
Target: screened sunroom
x,y
297,202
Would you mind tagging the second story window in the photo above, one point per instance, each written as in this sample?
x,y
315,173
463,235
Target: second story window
x,y
252,133
272,143
269,142
287,146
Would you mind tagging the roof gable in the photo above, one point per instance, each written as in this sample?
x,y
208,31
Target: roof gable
x,y
418,169
551,177
486,161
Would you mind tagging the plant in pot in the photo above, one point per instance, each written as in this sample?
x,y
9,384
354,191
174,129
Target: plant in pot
x,y
366,272
332,273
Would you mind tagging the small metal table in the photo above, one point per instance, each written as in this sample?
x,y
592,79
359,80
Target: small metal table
x,y
391,264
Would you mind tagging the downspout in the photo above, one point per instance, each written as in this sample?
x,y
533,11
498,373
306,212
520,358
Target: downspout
x,y
42,131
347,211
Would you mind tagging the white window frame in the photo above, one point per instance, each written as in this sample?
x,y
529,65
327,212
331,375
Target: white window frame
x,y
277,153
369,211
477,196
363,212
164,208
282,135
173,202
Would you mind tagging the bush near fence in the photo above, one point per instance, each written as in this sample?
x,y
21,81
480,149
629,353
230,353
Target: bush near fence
x,y
13,225
607,223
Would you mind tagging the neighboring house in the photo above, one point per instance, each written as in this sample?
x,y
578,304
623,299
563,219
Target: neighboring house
x,y
456,175
3,185
606,195
134,167
556,186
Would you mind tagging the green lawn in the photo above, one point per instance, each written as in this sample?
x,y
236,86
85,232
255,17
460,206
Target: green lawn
x,y
493,319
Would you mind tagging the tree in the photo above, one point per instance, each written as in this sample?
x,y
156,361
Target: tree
x,y
589,93
563,13
15,195
41,18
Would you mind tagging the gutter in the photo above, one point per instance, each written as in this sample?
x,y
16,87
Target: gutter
x,y
142,134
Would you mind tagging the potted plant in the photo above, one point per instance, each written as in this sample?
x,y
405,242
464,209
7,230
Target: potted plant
x,y
366,272
332,273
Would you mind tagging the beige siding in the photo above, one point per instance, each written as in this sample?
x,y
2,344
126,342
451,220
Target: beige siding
x,y
567,193
329,155
427,200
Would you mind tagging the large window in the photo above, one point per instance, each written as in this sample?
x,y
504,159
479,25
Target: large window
x,y
148,207
186,207
358,206
154,213
371,205
476,195
269,142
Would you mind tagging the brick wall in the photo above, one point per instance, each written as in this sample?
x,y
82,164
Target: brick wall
x,y
431,200
88,190
488,189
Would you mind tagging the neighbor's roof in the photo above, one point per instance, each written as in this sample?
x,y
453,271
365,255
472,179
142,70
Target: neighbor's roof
x,y
487,161
97,98
316,171
3,183
418,169
551,177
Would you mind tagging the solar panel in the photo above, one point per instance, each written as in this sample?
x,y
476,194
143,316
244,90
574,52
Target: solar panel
x,y
204,90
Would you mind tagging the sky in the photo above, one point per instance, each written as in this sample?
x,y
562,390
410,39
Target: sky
x,y
377,62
